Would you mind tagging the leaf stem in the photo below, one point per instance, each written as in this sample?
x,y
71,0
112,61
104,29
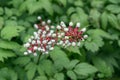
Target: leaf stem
x,y
39,58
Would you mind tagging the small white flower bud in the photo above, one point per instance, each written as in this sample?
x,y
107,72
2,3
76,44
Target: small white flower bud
x,y
47,28
59,36
66,37
83,29
27,45
61,42
43,23
38,42
51,31
39,31
53,35
85,36
36,26
51,48
71,24
32,37
43,36
35,54
78,44
48,21
44,32
39,49
25,53
73,44
30,40
49,42
53,40
35,33
35,48
44,41
62,34
58,27
78,25
33,42
39,18
66,29
46,52
62,23
29,51
52,27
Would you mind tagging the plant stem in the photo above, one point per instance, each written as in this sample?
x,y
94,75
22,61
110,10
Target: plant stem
x,y
39,58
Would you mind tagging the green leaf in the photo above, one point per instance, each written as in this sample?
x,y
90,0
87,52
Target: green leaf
x,y
71,75
119,42
95,16
102,66
85,69
113,21
59,76
47,6
104,20
75,50
63,2
114,1
78,3
8,74
22,60
1,11
71,10
1,22
60,58
47,67
31,70
113,8
9,45
57,9
80,16
8,12
5,54
8,34
41,78
98,3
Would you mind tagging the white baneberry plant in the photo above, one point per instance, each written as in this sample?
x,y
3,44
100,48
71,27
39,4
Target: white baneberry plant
x,y
48,36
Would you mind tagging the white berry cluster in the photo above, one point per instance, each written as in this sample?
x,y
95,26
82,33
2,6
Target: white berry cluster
x,y
47,36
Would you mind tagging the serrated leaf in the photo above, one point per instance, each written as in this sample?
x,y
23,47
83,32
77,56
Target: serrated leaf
x,y
41,78
104,20
71,10
72,64
46,4
113,21
113,8
9,45
95,16
63,2
1,11
60,58
81,17
75,50
59,76
6,32
47,67
85,69
57,9
98,3
5,54
22,60
1,22
71,75
114,1
102,66
78,3
31,69
8,74
8,12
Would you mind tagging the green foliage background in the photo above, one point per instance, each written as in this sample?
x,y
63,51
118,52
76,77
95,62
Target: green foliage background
x,y
97,58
